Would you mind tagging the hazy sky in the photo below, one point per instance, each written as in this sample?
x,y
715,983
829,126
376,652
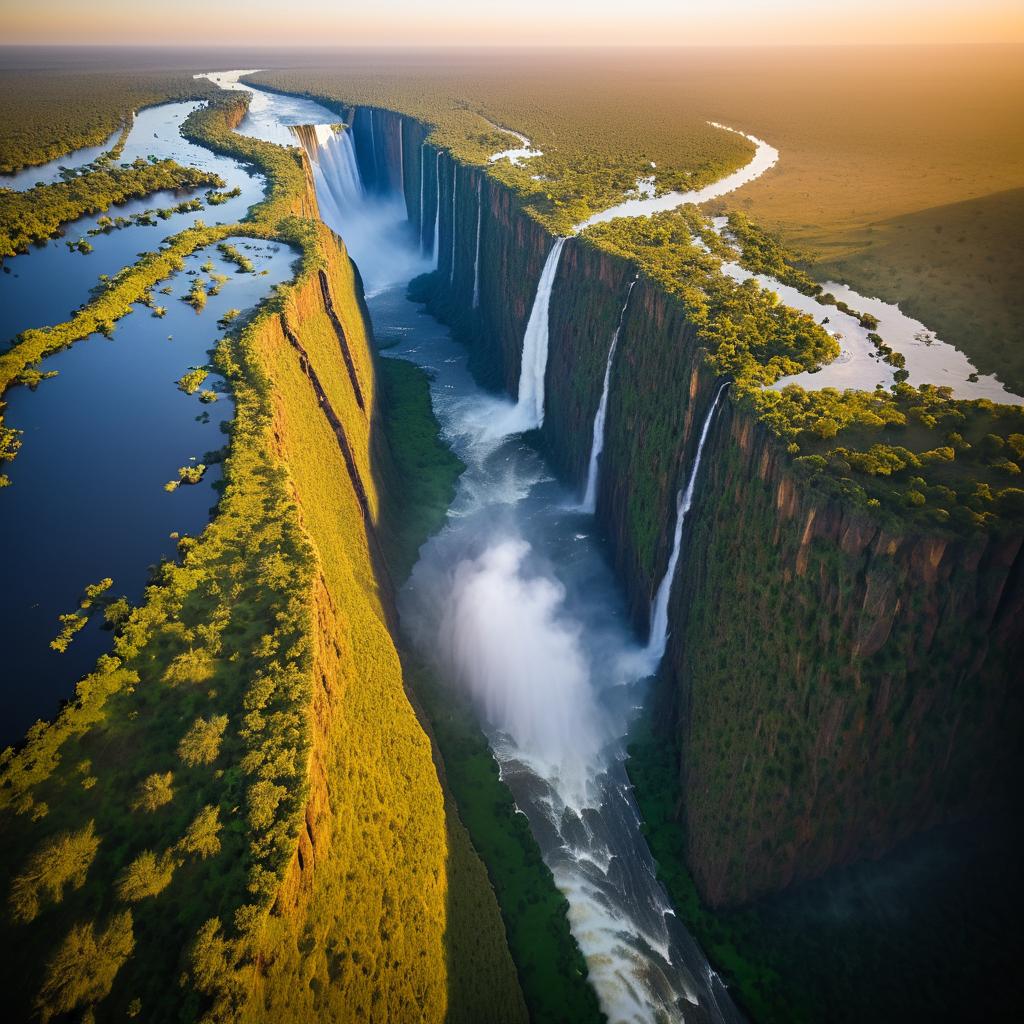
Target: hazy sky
x,y
508,22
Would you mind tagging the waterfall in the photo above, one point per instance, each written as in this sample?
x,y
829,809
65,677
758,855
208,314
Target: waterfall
x,y
476,258
373,149
659,609
455,185
529,411
437,213
423,171
401,159
597,444
332,158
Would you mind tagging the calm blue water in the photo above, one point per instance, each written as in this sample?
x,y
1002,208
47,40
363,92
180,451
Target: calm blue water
x,y
87,496
44,174
44,286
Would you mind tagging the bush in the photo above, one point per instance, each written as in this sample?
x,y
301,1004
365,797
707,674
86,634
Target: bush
x,y
147,875
154,791
202,837
83,970
201,743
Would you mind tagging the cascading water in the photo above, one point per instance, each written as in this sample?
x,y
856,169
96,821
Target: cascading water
x,y
476,256
373,151
423,174
374,224
589,504
520,612
529,408
455,189
658,637
401,168
437,213
332,158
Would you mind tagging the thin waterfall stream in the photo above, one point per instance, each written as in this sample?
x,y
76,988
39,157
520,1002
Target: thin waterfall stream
x,y
437,211
589,503
659,609
476,253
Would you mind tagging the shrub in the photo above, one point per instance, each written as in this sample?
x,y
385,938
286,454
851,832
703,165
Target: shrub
x,y
82,971
202,835
201,743
154,791
147,875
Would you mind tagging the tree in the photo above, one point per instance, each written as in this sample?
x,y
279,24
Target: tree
x,y
147,875
202,835
201,744
154,791
82,971
62,861
264,797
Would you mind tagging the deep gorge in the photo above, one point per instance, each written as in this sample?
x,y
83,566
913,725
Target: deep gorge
x,y
782,589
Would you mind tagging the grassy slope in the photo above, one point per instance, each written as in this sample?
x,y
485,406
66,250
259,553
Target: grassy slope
x,y
330,890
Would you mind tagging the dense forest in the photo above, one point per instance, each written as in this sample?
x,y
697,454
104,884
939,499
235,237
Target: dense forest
x,y
47,114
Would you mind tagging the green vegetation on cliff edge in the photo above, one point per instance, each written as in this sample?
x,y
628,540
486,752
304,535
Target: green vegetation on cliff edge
x,y
169,863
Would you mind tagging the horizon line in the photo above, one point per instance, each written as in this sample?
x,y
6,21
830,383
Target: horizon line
x,y
838,45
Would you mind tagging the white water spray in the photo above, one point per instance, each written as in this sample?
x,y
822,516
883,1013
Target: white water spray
x,y
505,639
658,638
455,186
437,213
529,409
374,226
423,173
476,257
597,444
332,157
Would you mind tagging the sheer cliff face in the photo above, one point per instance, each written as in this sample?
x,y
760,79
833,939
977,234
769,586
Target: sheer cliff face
x,y
838,687
834,686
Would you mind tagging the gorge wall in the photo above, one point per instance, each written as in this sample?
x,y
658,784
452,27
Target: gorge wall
x,y
369,919
835,684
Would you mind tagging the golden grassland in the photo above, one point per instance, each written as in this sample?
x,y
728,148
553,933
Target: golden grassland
x,y
238,817
901,168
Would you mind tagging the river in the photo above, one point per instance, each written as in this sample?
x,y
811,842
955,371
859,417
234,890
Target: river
x,y
100,439
516,604
513,598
